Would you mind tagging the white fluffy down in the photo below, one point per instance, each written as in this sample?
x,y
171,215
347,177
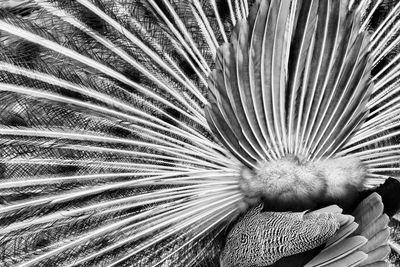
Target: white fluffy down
x,y
293,181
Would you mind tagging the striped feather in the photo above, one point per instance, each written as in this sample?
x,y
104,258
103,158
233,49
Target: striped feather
x,y
127,127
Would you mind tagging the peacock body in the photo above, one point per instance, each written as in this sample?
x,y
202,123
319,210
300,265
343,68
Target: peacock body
x,y
147,133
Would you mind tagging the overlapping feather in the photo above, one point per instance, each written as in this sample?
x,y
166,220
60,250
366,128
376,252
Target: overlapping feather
x,y
360,242
106,155
309,81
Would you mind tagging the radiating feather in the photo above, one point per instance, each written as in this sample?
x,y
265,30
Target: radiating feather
x,y
305,29
354,97
230,91
270,94
353,109
271,67
134,117
205,26
329,44
352,114
179,30
312,72
385,24
255,67
244,94
85,60
345,46
107,154
219,21
239,95
225,109
232,94
227,137
151,54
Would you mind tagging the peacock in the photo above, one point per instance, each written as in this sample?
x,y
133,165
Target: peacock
x,y
199,133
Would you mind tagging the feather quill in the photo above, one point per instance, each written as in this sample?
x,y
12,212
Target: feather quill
x,y
131,131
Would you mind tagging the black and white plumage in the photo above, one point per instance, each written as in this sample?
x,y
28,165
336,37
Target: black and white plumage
x,y
288,93
323,237
137,132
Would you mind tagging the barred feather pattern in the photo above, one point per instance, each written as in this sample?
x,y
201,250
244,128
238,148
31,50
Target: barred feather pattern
x,y
106,154
281,234
330,238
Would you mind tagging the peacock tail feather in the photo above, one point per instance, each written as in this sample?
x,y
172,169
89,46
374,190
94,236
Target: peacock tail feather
x,y
126,127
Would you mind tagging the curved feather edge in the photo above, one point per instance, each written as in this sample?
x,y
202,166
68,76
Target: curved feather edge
x,y
49,164
362,245
265,106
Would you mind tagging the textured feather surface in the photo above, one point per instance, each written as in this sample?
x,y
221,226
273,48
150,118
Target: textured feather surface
x,y
114,152
366,244
94,132
281,86
262,238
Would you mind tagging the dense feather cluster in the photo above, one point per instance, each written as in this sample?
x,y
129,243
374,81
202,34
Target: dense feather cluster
x,y
321,238
123,140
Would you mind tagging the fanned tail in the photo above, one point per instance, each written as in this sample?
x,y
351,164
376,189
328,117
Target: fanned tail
x,y
106,156
114,151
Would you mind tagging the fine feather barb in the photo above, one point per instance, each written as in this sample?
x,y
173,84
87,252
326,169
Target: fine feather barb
x,y
257,21
114,152
335,90
230,105
329,43
317,58
364,244
85,60
245,106
173,71
304,32
100,162
269,97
